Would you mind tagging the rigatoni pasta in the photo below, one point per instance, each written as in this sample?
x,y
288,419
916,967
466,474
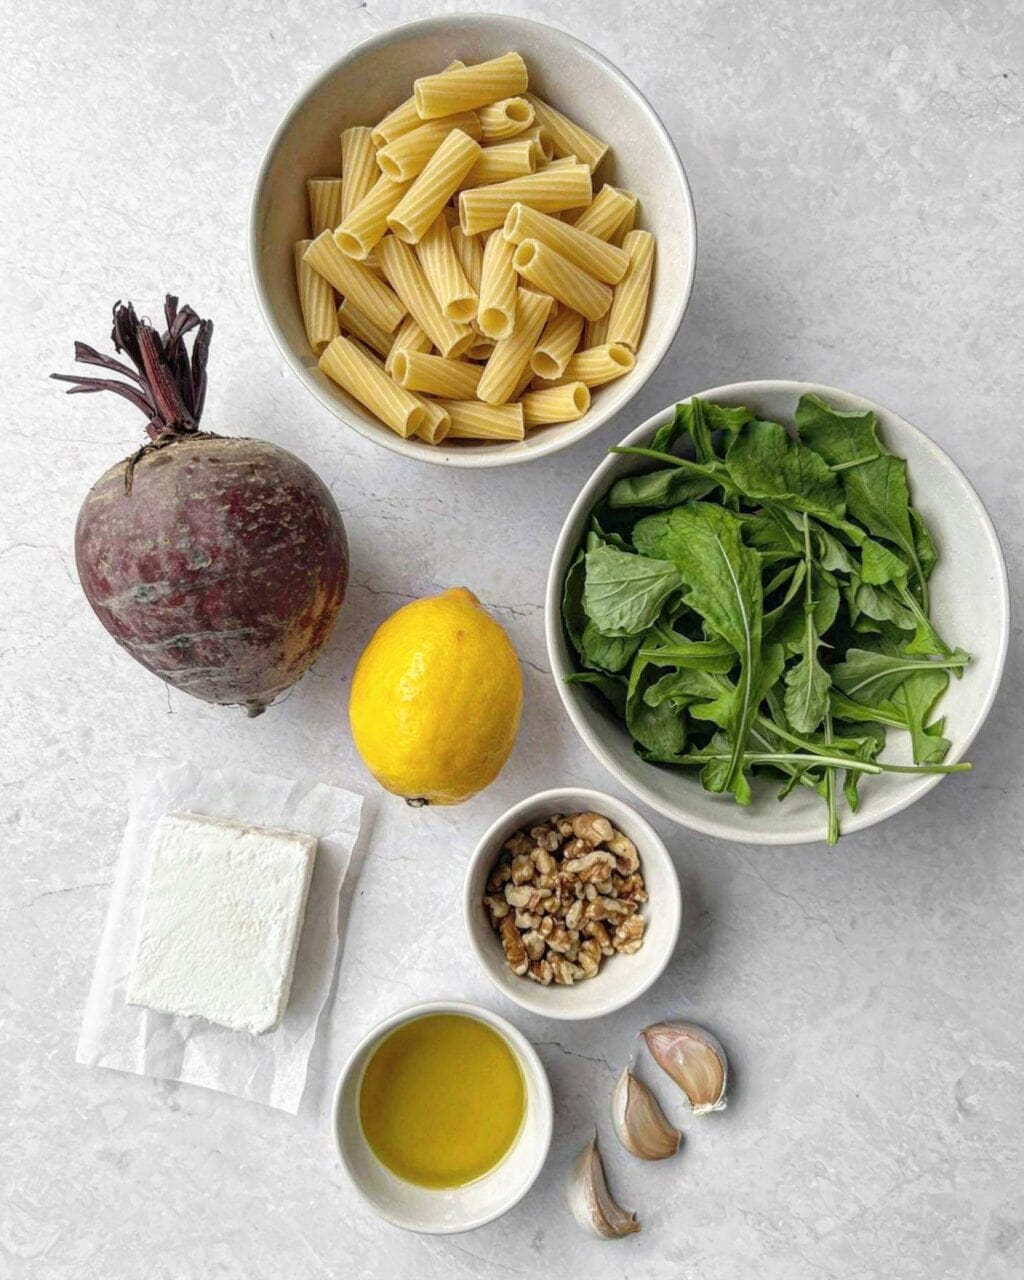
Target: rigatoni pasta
x,y
598,258
434,187
469,87
316,301
409,155
368,221
497,164
406,276
463,281
344,363
437,376
629,305
354,322
569,138
353,280
511,355
549,272
555,404
498,287
559,340
441,266
358,167
472,420
504,119
550,191
324,203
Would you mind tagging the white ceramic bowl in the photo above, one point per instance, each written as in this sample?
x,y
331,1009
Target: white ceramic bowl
x,y
443,1212
374,77
969,600
621,979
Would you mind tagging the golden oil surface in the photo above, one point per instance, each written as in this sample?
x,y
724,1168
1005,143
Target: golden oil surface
x,y
442,1100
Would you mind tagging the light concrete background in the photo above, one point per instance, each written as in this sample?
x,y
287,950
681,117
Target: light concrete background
x,y
857,173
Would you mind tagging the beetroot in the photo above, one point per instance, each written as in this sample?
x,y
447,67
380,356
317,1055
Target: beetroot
x,y
219,563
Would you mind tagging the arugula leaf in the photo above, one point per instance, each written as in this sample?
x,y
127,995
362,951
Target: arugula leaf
x,y
873,677
698,419
879,565
666,488
917,697
722,578
574,616
624,593
661,729
765,462
611,688
807,681
607,653
876,492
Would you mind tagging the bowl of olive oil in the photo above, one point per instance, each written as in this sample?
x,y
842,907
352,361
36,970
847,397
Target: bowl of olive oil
x,y
442,1117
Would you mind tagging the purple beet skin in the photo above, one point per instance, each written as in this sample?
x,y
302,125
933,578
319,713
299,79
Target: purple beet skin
x,y
219,563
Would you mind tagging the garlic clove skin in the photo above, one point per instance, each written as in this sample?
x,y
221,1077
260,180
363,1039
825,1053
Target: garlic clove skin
x,y
695,1061
640,1122
591,1202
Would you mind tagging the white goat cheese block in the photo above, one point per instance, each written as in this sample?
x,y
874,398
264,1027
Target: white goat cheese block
x,y
221,921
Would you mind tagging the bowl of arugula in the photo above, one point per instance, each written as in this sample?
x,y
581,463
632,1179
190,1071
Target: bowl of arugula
x,y
778,591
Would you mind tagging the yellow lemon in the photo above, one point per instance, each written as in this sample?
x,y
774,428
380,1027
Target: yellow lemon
x,y
436,698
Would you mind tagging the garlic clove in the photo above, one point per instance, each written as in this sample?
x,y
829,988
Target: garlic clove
x,y
695,1061
591,1202
640,1122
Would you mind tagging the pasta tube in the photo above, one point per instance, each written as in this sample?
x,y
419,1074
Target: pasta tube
x,y
538,134
559,340
316,301
603,217
407,278
555,404
353,321
444,272
595,366
368,221
480,349
350,278
469,87
482,208
504,119
498,285
470,253
358,167
344,363
596,257
324,203
408,155
472,420
435,186
408,337
625,226
568,137
436,424
435,375
512,354
549,272
629,305
403,119
498,164
596,332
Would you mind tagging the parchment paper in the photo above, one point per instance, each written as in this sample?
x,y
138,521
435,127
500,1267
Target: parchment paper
x,y
270,1068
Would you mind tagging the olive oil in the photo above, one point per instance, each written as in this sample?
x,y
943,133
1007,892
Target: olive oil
x,y
442,1100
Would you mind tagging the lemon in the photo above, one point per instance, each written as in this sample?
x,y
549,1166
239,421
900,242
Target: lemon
x,y
436,698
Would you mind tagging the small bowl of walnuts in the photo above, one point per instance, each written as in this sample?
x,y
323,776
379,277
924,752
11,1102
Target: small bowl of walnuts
x,y
572,904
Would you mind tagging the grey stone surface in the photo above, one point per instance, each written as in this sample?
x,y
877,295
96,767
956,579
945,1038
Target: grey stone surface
x,y
857,174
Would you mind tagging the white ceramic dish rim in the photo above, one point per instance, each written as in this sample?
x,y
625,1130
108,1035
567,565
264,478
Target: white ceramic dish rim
x,y
598,483
658,345
526,994
523,1048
